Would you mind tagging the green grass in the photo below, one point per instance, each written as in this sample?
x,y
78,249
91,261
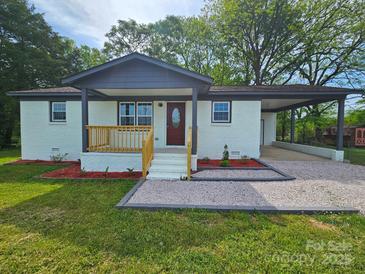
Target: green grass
x,y
355,155
73,226
9,155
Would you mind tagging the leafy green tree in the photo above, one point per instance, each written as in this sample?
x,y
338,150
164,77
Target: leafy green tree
x,y
126,37
32,55
263,35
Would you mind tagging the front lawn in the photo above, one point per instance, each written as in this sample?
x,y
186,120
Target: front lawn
x,y
73,226
9,155
355,155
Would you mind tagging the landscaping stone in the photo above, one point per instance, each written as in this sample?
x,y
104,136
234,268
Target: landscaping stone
x,y
318,184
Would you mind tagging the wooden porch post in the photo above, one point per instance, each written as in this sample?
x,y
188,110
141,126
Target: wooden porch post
x,y
85,118
194,127
340,124
292,125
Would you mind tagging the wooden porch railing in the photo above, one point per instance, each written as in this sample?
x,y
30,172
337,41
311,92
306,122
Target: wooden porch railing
x,y
188,148
117,138
147,152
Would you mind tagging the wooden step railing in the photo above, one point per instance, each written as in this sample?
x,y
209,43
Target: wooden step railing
x,y
117,138
147,152
188,148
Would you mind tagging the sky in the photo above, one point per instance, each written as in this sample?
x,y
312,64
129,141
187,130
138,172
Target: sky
x,y
87,21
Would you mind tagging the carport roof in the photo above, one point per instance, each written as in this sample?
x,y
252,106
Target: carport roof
x,y
281,89
277,90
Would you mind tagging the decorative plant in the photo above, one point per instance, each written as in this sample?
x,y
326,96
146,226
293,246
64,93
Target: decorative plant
x,y
106,172
245,159
225,153
59,157
224,163
205,160
82,171
130,170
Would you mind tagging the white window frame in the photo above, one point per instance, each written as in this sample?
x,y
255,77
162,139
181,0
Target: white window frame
x,y
120,114
53,111
229,112
137,115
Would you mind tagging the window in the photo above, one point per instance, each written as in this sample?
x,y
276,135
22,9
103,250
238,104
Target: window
x,y
58,111
221,112
126,112
144,114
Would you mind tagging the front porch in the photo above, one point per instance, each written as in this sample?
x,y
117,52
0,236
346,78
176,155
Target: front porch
x,y
121,148
151,98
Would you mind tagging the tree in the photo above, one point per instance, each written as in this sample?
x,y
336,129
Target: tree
x,y
263,34
32,55
126,37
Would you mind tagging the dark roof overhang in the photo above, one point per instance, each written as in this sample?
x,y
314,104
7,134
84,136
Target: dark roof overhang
x,y
137,56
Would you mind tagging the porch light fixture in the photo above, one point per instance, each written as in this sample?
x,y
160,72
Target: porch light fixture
x,y
160,104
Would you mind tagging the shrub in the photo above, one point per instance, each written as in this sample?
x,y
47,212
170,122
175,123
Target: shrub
x,y
245,159
205,160
225,153
106,172
224,163
58,157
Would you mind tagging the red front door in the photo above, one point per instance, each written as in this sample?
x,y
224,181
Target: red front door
x,y
175,123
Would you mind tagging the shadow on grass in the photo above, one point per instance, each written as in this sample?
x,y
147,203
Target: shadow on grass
x,y
83,214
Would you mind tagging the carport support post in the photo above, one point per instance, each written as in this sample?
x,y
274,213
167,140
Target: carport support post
x,y
194,128
340,123
292,125
85,118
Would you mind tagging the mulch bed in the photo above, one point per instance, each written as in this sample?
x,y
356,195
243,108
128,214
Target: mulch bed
x,y
74,172
42,162
232,163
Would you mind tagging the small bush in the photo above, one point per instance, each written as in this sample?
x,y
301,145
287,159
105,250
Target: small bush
x,y
205,160
58,157
130,170
224,163
106,172
225,153
82,171
245,159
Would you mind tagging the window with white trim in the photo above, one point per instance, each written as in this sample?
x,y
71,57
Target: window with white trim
x,y
221,112
144,114
58,111
127,114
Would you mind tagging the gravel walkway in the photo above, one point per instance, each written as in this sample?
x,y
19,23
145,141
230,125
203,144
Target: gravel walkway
x,y
224,174
318,184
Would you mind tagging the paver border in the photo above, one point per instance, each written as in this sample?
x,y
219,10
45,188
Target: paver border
x,y
130,193
285,177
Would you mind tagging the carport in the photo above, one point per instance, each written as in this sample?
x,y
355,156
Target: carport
x,y
275,99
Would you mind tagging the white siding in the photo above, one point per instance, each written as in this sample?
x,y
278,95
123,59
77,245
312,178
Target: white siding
x,y
103,113
159,123
269,127
41,138
114,162
242,134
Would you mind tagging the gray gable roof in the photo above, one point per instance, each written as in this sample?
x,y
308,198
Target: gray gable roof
x,y
141,57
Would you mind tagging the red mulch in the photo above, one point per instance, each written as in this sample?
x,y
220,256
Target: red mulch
x,y
41,162
232,163
74,172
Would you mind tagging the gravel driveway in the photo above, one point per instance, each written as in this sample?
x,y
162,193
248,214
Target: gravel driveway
x,y
318,184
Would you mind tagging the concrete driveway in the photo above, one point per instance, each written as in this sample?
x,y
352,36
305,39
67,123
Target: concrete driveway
x,y
280,154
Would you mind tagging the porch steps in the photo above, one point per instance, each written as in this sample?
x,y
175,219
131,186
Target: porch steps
x,y
168,166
